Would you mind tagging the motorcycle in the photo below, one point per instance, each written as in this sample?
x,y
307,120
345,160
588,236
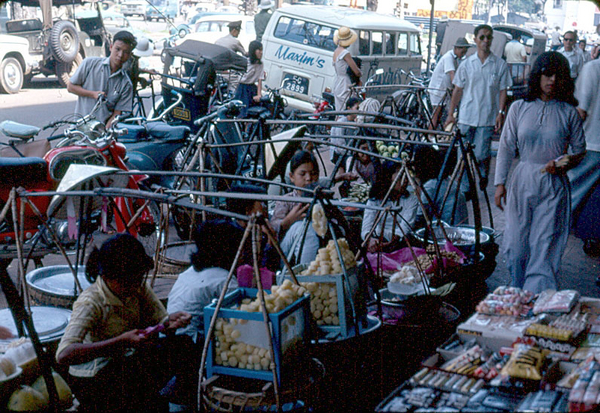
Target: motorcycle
x,y
87,143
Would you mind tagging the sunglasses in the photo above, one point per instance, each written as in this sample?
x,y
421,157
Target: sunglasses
x,y
549,71
483,37
569,40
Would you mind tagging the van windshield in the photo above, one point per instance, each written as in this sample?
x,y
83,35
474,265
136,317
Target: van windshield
x,y
306,33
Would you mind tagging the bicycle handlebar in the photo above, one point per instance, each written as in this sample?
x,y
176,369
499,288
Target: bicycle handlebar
x,y
232,104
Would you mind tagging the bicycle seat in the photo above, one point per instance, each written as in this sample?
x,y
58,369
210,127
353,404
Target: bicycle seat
x,y
22,171
256,111
18,130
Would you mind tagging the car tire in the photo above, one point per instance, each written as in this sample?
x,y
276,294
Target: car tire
x,y
64,41
11,76
64,71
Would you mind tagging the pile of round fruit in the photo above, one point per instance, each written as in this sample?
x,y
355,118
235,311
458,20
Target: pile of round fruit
x,y
390,151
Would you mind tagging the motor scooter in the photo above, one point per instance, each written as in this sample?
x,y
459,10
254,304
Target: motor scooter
x,y
87,143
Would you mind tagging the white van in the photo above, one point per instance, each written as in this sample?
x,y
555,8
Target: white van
x,y
298,49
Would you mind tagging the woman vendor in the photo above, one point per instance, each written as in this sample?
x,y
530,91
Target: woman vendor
x,y
111,345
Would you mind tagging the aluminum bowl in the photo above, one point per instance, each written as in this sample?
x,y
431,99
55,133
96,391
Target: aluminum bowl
x,y
459,236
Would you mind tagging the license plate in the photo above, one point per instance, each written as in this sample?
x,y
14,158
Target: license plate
x,y
295,83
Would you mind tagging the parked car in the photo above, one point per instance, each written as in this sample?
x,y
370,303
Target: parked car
x,y
134,8
209,29
162,10
298,50
193,20
15,63
60,44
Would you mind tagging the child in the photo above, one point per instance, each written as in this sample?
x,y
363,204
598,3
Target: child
x,y
114,363
399,197
288,216
362,166
248,91
267,254
217,242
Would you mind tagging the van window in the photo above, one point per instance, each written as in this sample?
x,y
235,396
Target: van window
x,y
415,45
363,43
302,32
377,40
390,41
402,43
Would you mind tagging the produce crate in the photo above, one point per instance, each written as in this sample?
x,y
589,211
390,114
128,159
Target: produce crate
x,y
289,333
346,325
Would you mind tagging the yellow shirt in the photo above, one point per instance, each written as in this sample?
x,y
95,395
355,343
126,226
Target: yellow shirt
x,y
99,315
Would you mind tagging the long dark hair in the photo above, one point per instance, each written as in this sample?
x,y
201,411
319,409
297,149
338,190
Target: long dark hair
x,y
549,63
217,242
383,179
119,258
252,48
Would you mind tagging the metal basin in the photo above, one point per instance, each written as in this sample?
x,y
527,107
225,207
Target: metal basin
x,y
459,236
55,285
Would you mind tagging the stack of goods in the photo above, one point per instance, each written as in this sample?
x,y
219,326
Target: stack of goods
x,y
535,343
562,334
231,350
551,301
506,301
358,193
328,260
324,300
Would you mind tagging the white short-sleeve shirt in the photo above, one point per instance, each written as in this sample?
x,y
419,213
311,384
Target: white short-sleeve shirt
x,y
440,79
481,84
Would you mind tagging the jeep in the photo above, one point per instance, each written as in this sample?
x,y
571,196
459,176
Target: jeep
x,y
60,45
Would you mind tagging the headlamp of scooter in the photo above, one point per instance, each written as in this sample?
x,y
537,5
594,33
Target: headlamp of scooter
x,y
93,129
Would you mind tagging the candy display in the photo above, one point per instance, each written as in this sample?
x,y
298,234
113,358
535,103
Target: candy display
x,y
525,362
551,301
505,301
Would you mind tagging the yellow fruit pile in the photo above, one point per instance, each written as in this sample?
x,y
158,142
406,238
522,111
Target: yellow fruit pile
x,y
328,261
230,352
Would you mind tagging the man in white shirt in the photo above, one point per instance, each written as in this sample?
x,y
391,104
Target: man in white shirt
x,y
585,175
442,77
555,40
480,88
573,55
515,51
587,56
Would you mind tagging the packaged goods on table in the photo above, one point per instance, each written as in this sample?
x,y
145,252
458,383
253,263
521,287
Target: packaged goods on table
x,y
506,301
525,362
494,331
561,334
551,301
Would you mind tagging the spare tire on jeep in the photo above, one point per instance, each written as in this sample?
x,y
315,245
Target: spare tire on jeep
x,y
64,41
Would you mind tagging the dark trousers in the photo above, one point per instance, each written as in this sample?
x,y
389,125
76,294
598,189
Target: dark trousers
x,y
133,382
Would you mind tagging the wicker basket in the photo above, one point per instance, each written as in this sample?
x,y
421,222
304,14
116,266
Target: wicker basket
x,y
176,257
218,399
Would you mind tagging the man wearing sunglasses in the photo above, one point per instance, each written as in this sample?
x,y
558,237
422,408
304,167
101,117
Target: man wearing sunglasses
x,y
572,53
480,89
